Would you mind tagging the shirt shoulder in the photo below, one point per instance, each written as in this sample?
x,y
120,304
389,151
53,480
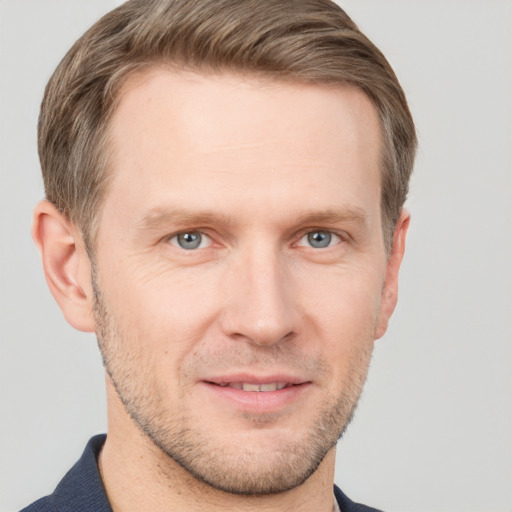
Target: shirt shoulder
x,y
347,505
81,489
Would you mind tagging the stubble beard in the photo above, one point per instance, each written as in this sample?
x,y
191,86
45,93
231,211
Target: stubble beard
x,y
246,471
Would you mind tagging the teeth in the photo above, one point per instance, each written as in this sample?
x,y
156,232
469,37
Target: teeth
x,y
272,386
268,387
250,387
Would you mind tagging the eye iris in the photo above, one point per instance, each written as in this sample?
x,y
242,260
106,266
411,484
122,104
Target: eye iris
x,y
189,240
319,239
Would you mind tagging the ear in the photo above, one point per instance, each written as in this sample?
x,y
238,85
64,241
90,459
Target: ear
x,y
389,295
66,264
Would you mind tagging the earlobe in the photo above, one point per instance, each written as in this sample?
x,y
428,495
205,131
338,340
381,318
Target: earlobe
x,y
67,267
390,290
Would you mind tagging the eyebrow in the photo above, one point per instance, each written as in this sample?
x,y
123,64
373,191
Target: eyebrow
x,y
159,217
334,216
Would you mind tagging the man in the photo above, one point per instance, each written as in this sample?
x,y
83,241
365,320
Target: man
x,y
225,185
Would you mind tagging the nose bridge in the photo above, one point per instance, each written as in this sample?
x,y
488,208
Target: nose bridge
x,y
260,306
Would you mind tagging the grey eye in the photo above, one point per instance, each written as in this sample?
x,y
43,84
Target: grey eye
x,y
319,239
190,240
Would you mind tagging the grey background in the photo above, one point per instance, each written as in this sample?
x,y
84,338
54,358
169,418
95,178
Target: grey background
x,y
434,428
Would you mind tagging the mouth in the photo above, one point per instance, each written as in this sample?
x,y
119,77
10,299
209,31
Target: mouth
x,y
259,395
253,387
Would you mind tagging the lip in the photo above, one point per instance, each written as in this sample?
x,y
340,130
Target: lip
x,y
257,402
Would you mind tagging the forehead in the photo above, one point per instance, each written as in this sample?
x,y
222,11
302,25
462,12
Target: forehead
x,y
188,101
209,134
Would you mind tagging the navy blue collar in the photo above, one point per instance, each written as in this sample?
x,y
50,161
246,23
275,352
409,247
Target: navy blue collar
x,y
81,489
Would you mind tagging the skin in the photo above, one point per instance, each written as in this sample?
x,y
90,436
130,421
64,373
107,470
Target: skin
x,y
255,168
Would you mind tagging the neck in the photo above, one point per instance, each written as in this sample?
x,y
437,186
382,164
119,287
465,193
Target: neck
x,y
137,475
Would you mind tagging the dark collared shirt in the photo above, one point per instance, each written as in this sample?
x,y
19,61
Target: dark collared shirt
x,y
81,490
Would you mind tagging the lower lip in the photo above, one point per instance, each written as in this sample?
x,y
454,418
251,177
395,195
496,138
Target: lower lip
x,y
259,401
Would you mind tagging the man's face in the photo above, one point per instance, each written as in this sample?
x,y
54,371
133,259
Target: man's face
x,y
240,268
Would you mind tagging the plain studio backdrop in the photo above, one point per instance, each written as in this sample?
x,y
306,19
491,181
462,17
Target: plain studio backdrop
x,y
433,431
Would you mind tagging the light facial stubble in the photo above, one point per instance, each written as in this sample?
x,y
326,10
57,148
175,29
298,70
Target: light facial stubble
x,y
248,470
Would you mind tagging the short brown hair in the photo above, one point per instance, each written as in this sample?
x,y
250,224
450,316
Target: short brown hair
x,y
311,41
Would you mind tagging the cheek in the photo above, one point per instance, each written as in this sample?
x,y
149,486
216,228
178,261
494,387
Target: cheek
x,y
345,325
343,304
167,310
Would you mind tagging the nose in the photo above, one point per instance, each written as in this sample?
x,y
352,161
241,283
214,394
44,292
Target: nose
x,y
260,306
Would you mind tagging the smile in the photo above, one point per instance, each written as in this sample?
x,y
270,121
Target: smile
x,y
258,394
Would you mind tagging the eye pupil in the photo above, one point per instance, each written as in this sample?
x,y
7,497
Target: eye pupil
x,y
319,239
189,240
